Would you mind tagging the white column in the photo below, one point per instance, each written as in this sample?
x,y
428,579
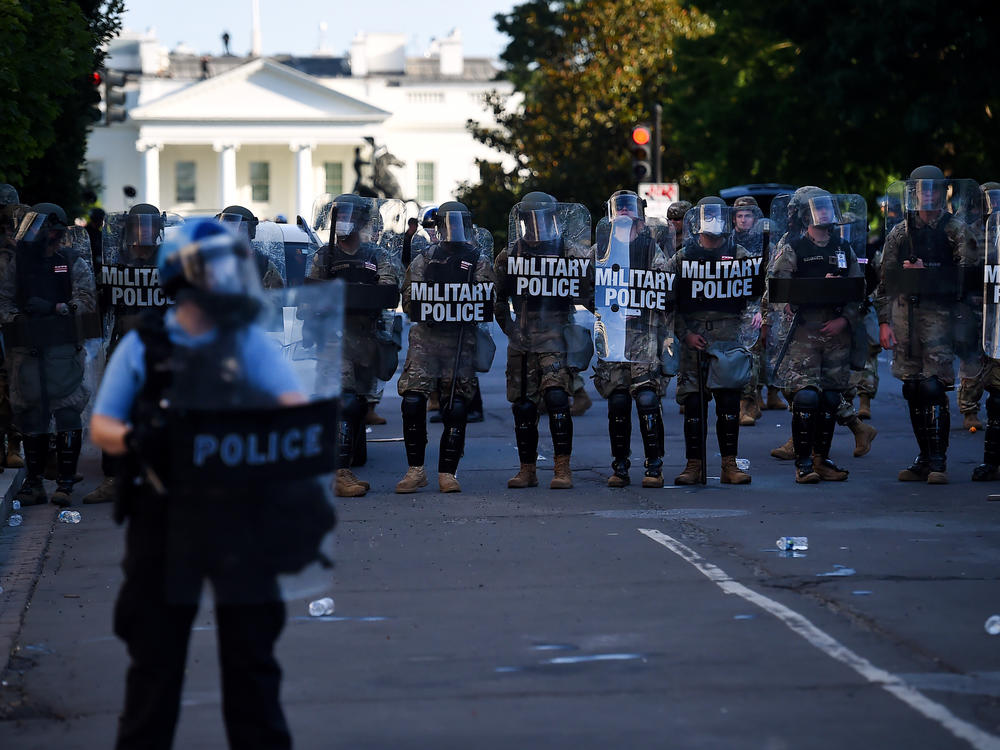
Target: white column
x,y
227,173
150,171
303,179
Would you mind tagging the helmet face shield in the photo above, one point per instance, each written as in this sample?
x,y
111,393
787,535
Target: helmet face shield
x,y
823,211
143,230
36,227
346,218
925,195
625,203
220,264
712,219
455,226
537,223
992,201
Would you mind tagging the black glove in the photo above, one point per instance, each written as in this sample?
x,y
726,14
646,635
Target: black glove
x,y
149,441
39,306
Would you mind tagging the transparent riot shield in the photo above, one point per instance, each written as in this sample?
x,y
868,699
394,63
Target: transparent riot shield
x,y
633,291
250,435
51,331
717,278
268,246
991,287
545,272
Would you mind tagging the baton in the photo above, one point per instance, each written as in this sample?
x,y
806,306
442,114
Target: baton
x,y
784,345
703,407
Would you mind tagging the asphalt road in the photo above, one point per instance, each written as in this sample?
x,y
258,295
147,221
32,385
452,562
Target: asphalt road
x,y
589,618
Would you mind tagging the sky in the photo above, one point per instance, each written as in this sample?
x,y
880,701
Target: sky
x,y
292,26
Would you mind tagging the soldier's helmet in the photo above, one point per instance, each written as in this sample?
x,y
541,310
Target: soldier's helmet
x,y
428,217
710,216
745,201
349,213
991,196
677,210
454,222
536,217
143,227
43,223
241,219
8,195
209,257
926,188
626,203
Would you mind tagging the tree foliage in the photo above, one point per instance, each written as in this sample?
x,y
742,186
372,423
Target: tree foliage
x,y
48,51
845,96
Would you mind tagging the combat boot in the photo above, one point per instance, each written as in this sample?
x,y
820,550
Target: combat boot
x,y
915,472
32,492
103,493
971,422
63,494
372,418
755,406
414,479
747,418
785,452
581,402
986,473
448,483
526,477
654,473
562,479
731,473
13,459
347,485
864,434
864,407
805,473
619,477
827,470
774,399
691,473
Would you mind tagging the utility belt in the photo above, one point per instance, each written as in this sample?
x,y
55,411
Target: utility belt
x,y
51,330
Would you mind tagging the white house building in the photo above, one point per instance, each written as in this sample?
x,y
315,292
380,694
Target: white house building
x,y
271,133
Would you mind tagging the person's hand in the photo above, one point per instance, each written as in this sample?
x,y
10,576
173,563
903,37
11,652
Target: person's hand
x,y
918,263
886,337
696,341
834,327
38,306
62,308
758,319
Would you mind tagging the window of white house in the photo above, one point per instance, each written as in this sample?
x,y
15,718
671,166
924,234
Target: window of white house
x,y
334,183
260,181
185,182
425,181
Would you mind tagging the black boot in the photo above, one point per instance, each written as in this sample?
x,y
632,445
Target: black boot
x,y
803,439
620,433
937,425
68,445
651,428
918,470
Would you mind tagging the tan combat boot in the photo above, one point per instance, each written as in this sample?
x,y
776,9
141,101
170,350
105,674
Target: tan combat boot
x,y
691,473
581,402
746,413
785,452
654,482
103,493
864,434
526,477
562,479
731,473
760,402
864,407
827,470
372,418
774,399
347,485
414,479
448,483
971,423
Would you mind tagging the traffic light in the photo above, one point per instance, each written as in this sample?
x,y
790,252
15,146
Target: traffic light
x,y
94,110
640,143
114,96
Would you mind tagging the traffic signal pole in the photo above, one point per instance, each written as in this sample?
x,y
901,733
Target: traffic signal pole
x,y
657,143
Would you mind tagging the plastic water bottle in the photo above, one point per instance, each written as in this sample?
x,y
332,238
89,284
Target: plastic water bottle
x,y
993,625
15,520
69,516
321,607
16,505
743,464
793,543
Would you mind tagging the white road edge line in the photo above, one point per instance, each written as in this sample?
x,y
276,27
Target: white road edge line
x,y
916,700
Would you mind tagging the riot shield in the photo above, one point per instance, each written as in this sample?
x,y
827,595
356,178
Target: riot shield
x,y
632,290
716,276
991,287
545,272
51,331
268,246
251,441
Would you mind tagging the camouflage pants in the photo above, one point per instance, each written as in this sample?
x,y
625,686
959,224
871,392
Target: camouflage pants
x,y
974,379
758,375
815,360
865,382
63,395
534,373
611,376
430,363
723,330
933,348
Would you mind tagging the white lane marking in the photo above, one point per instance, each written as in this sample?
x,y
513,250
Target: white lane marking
x,y
893,684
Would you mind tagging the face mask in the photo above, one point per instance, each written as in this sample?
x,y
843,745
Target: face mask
x,y
344,228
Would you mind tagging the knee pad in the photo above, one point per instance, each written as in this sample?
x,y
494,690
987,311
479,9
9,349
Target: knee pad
x,y
414,405
806,400
647,401
831,401
932,391
352,407
619,404
911,392
456,413
525,412
993,404
556,399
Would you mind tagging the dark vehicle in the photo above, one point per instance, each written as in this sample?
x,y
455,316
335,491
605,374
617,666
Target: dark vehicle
x,y
763,192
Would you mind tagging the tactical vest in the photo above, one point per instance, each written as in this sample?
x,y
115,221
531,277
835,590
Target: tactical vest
x,y
685,302
359,268
929,243
815,262
450,263
49,277
558,305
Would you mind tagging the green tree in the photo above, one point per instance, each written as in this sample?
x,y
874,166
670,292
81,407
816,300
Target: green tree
x,y
48,51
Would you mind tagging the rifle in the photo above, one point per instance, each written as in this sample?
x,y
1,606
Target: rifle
x,y
784,344
458,351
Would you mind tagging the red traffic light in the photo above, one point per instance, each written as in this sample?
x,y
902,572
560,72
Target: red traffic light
x,y
641,135
96,78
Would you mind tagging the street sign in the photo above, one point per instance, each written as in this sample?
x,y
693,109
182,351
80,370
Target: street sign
x,y
659,196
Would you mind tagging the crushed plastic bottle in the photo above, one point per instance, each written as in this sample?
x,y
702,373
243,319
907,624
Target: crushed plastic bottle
x,y
993,625
69,516
15,520
743,464
793,543
16,505
321,607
